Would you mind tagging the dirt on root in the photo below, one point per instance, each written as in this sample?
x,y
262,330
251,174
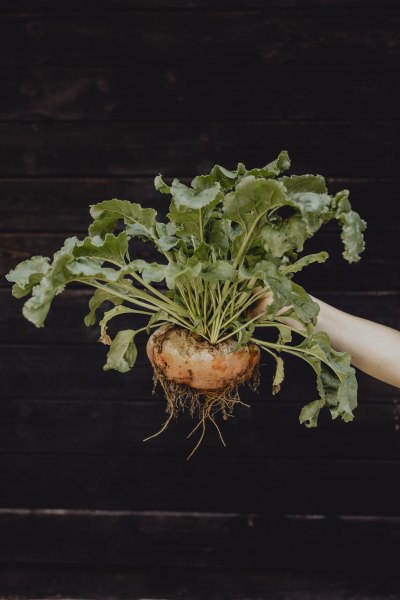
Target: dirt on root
x,y
205,405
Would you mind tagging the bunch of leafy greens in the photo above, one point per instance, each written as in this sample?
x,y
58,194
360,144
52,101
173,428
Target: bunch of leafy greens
x,y
228,238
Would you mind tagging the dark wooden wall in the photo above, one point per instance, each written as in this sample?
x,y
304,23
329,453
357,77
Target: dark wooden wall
x,y
95,99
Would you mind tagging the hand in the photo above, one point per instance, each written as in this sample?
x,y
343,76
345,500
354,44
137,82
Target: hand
x,y
258,308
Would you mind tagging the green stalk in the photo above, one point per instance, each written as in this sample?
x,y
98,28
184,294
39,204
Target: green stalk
x,y
236,330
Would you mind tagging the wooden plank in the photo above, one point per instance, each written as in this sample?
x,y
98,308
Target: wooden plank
x,y
235,38
220,485
63,204
119,427
21,581
36,6
75,372
186,540
334,149
378,268
113,93
64,324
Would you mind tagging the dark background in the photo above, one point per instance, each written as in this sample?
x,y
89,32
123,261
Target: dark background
x,y
95,99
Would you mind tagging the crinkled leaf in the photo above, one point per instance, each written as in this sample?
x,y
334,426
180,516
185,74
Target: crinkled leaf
x,y
111,248
123,352
268,273
98,298
304,307
149,271
110,314
304,183
312,208
27,274
310,412
219,236
283,236
219,270
336,380
77,260
297,266
185,197
160,185
274,168
158,317
226,179
190,210
279,375
139,221
353,227
248,206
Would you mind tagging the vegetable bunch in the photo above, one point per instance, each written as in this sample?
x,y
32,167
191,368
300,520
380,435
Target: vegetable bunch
x,y
228,238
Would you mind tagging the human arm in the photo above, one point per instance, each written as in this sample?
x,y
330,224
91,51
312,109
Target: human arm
x,y
374,348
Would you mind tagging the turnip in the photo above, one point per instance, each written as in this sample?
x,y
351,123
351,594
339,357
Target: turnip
x,y
231,239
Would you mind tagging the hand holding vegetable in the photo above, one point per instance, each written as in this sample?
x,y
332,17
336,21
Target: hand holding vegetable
x,y
228,237
374,348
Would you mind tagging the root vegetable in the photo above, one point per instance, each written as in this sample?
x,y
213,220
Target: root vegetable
x,y
200,377
190,360
229,251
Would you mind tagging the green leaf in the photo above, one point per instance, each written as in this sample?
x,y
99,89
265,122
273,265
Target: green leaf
x,y
248,206
219,236
304,308
226,179
110,314
297,266
283,236
274,168
310,412
150,271
219,270
279,375
191,210
158,317
312,208
123,352
75,261
52,283
352,227
139,221
160,185
336,379
185,197
243,334
175,271
98,298
304,183
28,274
111,248
267,272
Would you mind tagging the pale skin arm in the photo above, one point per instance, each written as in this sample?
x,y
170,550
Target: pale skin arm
x,y
374,348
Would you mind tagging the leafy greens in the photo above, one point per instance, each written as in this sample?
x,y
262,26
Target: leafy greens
x,y
230,238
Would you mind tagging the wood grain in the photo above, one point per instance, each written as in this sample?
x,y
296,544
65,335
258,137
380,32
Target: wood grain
x,y
118,428
22,581
37,6
317,37
207,540
343,149
274,486
183,93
